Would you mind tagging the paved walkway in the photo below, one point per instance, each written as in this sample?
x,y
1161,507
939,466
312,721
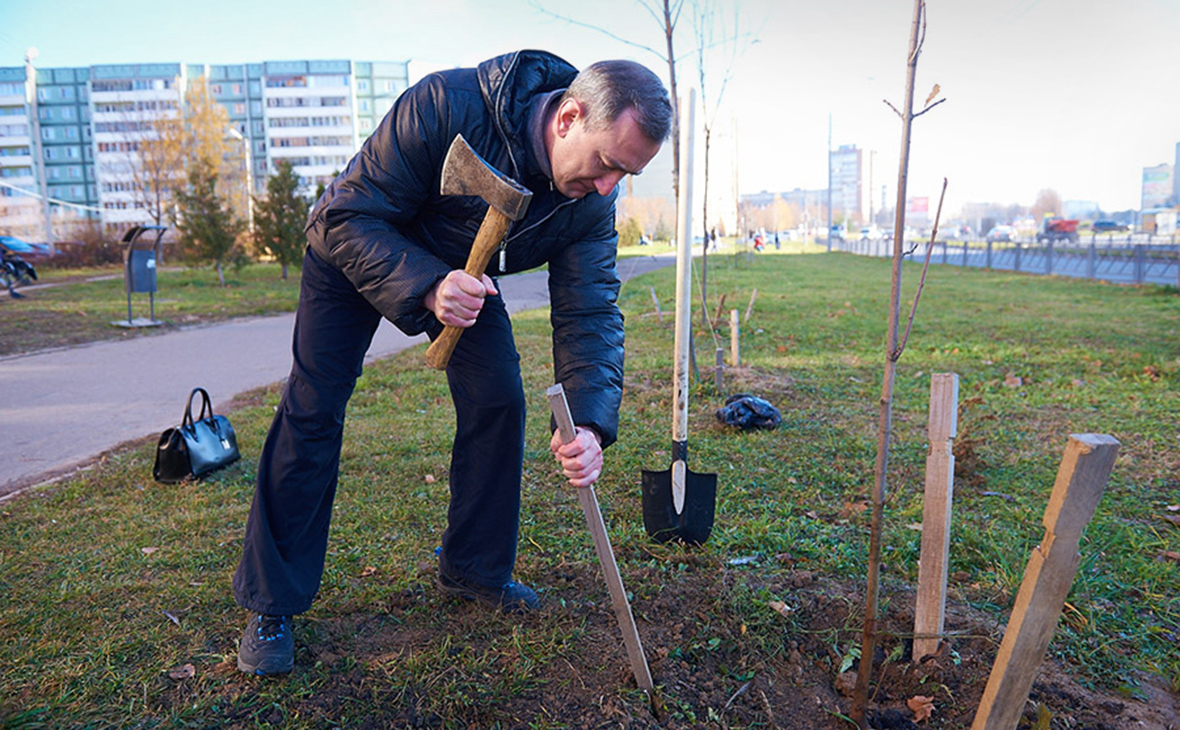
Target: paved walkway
x,y
61,409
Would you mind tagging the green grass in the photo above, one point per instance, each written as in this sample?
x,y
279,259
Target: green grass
x,y
80,309
85,634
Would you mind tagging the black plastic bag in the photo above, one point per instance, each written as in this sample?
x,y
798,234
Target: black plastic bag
x,y
747,412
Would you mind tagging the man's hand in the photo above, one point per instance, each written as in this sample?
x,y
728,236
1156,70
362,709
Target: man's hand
x,y
580,459
457,298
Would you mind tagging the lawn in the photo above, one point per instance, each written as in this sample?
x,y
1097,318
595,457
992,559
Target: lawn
x,y
118,613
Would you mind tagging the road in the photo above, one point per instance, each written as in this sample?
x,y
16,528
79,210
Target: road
x,y
61,409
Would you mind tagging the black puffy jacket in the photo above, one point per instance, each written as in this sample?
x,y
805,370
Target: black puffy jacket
x,y
383,223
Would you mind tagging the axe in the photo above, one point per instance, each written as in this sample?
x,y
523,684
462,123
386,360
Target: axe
x,y
466,173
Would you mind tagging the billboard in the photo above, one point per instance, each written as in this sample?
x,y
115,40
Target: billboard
x,y
1157,186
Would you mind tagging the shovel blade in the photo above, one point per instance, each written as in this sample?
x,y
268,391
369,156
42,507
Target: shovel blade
x,y
663,522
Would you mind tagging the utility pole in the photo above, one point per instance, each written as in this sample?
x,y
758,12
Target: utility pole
x,y
829,233
35,121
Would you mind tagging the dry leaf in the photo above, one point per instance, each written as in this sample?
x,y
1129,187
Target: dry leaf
x,y
921,705
915,526
1169,555
172,618
1013,381
429,478
148,550
852,509
933,93
1173,508
369,570
1174,519
781,607
187,671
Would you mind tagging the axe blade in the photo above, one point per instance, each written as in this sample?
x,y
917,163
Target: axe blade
x,y
466,173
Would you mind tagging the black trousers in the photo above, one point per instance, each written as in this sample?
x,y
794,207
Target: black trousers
x,y
287,528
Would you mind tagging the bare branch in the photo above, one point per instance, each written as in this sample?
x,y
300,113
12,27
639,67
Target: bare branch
x,y
591,26
896,355
895,109
928,108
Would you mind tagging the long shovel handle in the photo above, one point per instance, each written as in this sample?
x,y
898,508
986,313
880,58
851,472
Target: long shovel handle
x,y
491,232
606,556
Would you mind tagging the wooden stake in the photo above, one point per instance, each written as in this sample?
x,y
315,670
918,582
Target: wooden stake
x,y
1081,479
750,307
719,369
656,301
930,609
606,556
720,308
733,338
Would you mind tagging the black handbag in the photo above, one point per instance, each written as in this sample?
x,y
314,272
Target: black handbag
x,y
198,447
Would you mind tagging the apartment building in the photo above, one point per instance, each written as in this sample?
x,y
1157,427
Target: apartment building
x,y
312,113
20,212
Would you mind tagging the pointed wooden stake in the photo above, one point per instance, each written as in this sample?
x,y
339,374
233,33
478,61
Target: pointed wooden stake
x,y
1051,568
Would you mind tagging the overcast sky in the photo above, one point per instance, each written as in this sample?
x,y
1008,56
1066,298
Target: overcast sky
x,y
1074,95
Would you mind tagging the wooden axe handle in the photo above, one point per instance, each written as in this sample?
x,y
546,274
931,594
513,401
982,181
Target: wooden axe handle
x,y
491,233
606,556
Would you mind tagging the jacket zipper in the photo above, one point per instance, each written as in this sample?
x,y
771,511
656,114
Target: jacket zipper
x,y
503,251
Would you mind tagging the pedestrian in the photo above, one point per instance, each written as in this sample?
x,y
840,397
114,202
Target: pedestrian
x,y
383,242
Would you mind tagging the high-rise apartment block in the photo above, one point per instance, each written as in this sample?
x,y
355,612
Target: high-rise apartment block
x,y
72,134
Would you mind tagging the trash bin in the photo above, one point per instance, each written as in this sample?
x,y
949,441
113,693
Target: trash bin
x,y
139,271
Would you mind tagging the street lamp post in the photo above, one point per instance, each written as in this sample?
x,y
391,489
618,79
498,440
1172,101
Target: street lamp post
x,y
249,177
38,150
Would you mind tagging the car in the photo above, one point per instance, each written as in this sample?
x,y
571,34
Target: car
x,y
1105,226
1001,234
870,233
30,252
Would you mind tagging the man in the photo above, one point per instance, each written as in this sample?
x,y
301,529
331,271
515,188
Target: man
x,y
382,242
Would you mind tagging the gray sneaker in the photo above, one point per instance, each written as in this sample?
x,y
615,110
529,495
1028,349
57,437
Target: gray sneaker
x,y
511,597
268,647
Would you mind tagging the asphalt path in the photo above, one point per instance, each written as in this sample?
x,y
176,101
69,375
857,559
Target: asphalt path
x,y
61,409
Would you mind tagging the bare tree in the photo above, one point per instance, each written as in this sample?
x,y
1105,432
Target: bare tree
x,y
1048,204
894,349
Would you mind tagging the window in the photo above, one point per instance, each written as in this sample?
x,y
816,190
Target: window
x,y
237,89
239,108
215,89
362,85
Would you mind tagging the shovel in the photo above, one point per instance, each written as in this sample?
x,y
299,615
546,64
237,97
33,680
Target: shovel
x,y
606,556
677,502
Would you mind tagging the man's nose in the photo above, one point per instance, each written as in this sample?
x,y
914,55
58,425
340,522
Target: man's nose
x,y
607,182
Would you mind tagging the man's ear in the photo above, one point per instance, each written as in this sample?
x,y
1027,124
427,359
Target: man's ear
x,y
568,112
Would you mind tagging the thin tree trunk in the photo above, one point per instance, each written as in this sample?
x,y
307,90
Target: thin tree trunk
x,y
885,418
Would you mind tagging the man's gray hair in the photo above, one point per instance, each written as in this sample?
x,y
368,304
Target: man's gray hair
x,y
608,88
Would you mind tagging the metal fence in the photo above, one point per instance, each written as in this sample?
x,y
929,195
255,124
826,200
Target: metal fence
x,y
1126,260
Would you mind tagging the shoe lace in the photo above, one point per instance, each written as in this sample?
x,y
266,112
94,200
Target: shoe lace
x,y
271,627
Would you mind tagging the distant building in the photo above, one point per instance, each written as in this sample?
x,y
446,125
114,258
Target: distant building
x,y
1080,209
1176,178
314,114
848,184
1157,186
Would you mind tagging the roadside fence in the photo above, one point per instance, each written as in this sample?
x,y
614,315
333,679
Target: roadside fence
x,y
1125,260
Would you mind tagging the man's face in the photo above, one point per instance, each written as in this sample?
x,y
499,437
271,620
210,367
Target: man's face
x,y
595,160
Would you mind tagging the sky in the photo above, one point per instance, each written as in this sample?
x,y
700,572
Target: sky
x,y
1073,95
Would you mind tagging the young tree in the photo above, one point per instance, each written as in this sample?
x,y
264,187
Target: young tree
x,y
174,139
279,218
208,229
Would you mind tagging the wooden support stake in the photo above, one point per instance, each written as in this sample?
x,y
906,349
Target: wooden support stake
x,y
750,306
720,309
930,609
1051,568
656,301
719,369
733,338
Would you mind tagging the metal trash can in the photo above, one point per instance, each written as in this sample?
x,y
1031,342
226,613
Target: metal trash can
x,y
139,271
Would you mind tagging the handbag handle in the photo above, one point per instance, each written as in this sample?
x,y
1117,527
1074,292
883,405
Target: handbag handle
x,y
206,405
